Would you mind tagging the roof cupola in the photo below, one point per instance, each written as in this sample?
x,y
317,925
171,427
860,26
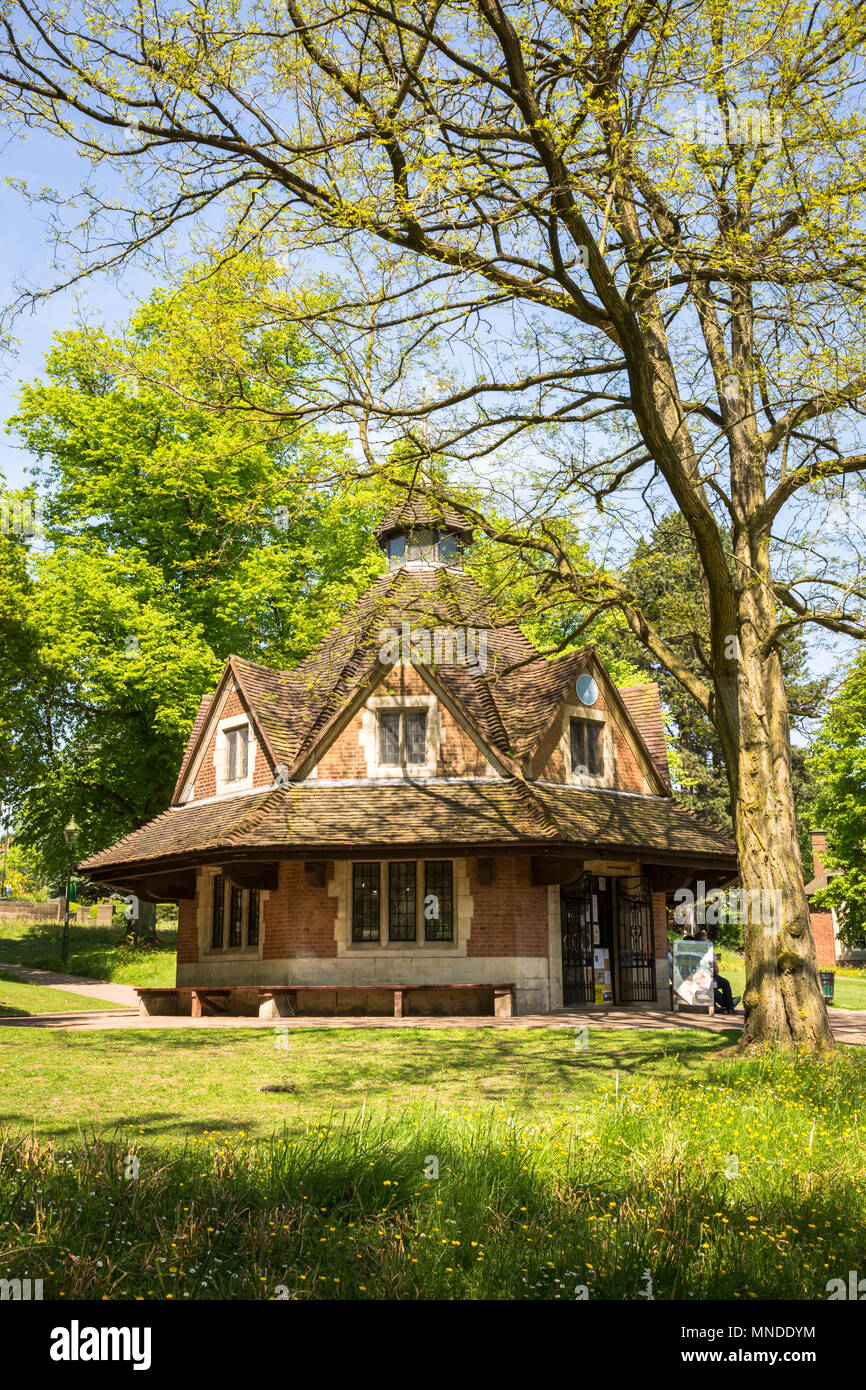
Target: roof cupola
x,y
417,533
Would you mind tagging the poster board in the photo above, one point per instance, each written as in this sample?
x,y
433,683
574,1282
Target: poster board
x,y
602,975
693,974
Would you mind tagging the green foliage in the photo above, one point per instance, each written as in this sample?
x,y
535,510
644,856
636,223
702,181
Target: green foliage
x,y
20,998
22,873
181,525
839,768
517,579
664,577
562,1175
93,951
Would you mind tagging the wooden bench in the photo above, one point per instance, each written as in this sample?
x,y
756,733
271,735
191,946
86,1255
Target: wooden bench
x,y
164,1000
287,995
217,1000
281,1001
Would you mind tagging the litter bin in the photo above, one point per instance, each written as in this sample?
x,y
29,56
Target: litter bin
x,y
828,983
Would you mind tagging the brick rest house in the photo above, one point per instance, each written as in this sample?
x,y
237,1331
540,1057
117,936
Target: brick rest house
x,y
424,817
830,949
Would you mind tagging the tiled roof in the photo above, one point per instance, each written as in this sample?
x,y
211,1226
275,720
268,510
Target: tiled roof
x,y
609,819
349,817
818,884
511,703
348,658
420,512
644,706
197,727
185,830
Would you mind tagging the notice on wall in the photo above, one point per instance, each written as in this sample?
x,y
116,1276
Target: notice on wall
x,y
603,976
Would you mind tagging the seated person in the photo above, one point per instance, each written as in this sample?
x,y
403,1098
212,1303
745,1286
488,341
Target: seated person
x,y
724,999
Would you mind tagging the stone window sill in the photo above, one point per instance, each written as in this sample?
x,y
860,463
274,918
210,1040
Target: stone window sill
x,y
406,947
246,952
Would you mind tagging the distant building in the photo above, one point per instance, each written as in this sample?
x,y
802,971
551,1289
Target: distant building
x,y
425,816
825,920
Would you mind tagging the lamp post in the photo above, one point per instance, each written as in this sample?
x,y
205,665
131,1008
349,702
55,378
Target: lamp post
x,y
70,835
5,835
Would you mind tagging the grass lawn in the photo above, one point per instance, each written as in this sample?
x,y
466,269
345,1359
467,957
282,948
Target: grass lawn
x,y
19,998
427,1164
93,952
850,985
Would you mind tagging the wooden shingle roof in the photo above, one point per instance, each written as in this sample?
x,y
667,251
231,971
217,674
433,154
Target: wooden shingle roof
x,y
484,812
512,704
421,513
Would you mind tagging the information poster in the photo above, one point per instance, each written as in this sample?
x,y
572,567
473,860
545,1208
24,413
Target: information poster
x,y
693,972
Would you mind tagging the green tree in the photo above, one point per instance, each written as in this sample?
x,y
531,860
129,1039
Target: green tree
x,y
176,532
664,578
839,768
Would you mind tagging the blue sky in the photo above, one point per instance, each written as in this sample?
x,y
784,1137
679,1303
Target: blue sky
x,y
27,255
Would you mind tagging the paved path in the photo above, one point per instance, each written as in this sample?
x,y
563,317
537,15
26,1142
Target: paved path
x,y
849,1025
75,984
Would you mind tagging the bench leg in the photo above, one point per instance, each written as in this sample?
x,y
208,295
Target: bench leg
x,y
503,1006
195,1008
282,1005
398,1003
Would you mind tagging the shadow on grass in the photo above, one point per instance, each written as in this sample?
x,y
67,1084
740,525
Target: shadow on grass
x,y
182,1079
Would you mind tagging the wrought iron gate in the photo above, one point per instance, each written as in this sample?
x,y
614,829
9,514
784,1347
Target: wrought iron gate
x,y
634,939
576,916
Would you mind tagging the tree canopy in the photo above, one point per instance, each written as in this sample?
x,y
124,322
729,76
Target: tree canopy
x,y
174,535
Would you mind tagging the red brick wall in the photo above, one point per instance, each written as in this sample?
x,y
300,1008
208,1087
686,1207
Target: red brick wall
x,y
549,761
509,915
205,781
825,943
187,927
819,850
299,919
345,757
459,756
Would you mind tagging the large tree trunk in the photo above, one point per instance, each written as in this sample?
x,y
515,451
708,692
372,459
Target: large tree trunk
x,y
783,1003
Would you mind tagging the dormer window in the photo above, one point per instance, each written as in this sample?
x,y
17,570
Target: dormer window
x,y
586,747
402,737
234,758
237,749
421,546
449,547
